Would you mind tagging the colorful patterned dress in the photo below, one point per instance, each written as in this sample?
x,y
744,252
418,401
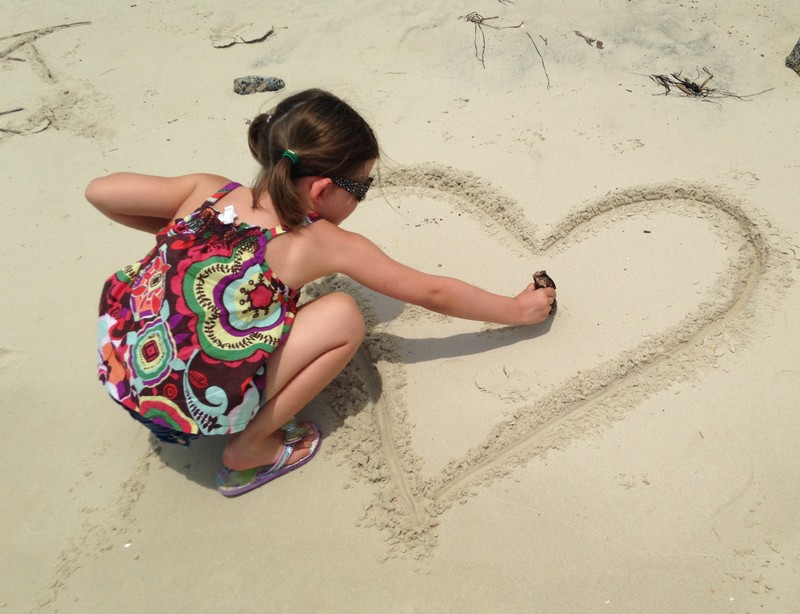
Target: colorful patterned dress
x,y
184,334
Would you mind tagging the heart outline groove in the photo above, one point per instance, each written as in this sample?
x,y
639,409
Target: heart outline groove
x,y
406,507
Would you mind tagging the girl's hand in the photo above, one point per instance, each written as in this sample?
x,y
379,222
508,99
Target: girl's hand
x,y
534,305
333,250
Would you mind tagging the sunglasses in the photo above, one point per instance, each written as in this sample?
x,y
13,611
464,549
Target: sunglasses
x,y
356,188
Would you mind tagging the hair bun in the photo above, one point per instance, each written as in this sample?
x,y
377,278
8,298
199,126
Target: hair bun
x,y
258,136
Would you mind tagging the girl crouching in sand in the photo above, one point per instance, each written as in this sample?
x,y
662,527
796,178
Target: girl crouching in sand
x,y
203,336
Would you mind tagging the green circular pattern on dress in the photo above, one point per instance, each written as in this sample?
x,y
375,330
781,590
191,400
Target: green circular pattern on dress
x,y
227,295
152,353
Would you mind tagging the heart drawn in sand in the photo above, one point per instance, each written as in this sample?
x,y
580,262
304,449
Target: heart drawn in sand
x,y
407,505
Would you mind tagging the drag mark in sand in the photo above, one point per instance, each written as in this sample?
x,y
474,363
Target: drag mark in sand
x,y
394,458
56,105
98,536
408,507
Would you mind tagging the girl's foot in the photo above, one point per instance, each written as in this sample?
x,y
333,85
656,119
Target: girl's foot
x,y
240,456
299,446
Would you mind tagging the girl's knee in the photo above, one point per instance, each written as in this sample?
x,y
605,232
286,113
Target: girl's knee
x,y
351,317
346,315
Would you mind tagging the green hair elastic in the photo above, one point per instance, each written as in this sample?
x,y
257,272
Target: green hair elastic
x,y
293,157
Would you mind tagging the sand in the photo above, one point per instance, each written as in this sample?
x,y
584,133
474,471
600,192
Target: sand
x,y
634,453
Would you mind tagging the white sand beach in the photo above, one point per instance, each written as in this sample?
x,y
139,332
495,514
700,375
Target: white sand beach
x,y
637,452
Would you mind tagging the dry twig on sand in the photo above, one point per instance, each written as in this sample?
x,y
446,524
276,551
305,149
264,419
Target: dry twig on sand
x,y
544,68
243,39
479,21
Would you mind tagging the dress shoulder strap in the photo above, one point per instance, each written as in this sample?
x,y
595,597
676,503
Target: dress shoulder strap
x,y
230,187
279,230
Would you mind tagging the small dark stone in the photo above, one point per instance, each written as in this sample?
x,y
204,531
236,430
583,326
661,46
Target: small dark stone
x,y
542,280
793,59
252,84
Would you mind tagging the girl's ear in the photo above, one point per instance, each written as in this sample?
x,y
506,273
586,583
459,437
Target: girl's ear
x,y
318,189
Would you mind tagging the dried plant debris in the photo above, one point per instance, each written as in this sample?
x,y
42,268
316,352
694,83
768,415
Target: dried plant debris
x,y
539,53
688,87
592,42
479,21
697,87
793,59
248,35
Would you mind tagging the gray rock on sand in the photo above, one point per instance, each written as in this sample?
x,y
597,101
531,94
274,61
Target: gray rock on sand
x,y
253,84
793,59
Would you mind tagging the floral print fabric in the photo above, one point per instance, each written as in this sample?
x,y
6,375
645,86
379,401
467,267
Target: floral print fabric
x,y
184,334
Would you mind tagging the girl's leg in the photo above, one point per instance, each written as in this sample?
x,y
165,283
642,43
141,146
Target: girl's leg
x,y
325,335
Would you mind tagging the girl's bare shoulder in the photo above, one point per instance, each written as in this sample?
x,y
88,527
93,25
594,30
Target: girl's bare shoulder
x,y
204,186
313,251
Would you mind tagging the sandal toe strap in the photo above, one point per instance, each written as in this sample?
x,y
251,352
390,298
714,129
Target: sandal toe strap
x,y
286,453
293,432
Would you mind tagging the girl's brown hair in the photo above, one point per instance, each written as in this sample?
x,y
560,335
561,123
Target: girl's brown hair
x,y
328,136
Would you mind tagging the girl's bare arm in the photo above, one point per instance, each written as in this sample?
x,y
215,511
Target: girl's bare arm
x,y
144,202
360,259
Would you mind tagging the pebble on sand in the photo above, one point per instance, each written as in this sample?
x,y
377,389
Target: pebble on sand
x,y
253,84
793,59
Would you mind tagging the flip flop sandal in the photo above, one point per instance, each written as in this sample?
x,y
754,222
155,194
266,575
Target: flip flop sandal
x,y
231,482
